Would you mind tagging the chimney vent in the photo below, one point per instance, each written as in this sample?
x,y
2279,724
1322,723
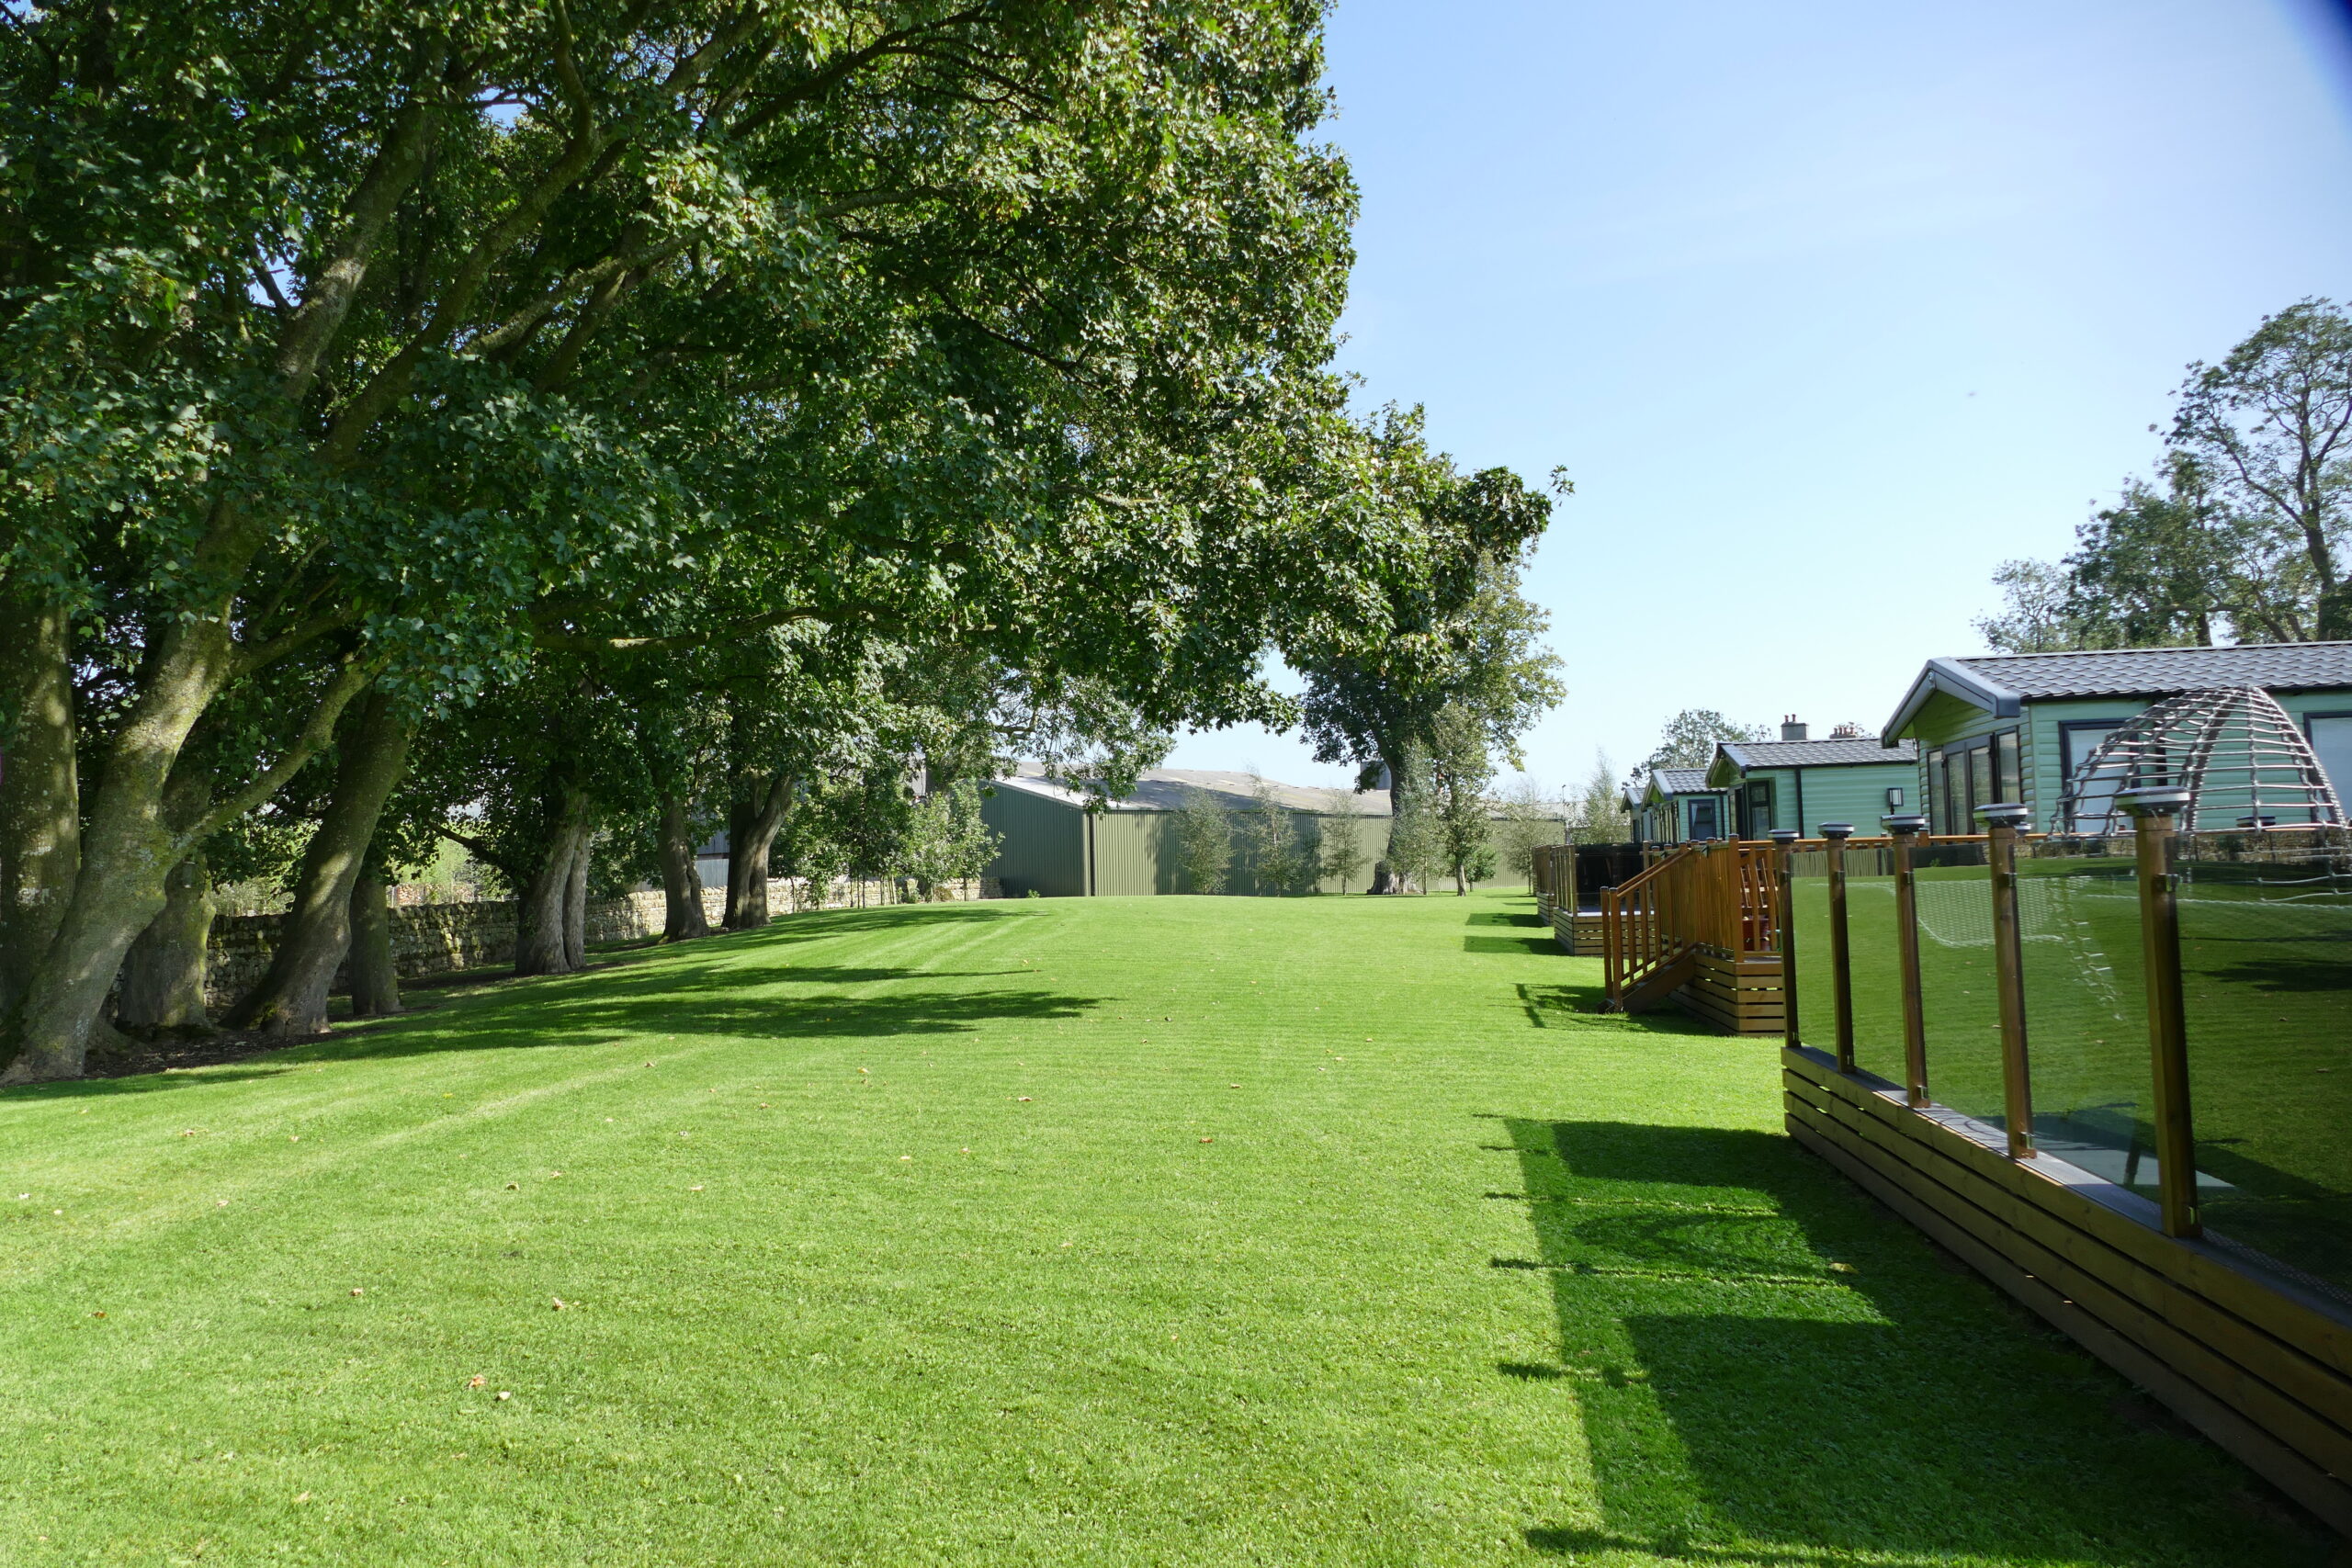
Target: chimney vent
x,y
1791,730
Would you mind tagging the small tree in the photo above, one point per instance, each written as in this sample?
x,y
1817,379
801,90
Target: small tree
x,y
1598,814
1417,836
1277,856
1342,852
1204,840
1531,820
946,840
1460,770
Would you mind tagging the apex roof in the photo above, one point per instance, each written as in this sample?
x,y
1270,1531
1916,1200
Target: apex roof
x,y
1680,781
1842,750
1999,683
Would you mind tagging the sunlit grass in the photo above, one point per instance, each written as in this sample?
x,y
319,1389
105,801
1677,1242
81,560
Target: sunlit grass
x,y
1166,1231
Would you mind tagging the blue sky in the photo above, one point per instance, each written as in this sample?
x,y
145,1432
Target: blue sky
x,y
1826,308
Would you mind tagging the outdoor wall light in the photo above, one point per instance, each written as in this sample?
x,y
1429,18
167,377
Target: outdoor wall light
x,y
1895,799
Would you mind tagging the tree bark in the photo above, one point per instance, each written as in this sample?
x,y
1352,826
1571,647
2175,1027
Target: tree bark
x,y
40,828
542,913
1383,879
760,815
162,975
375,982
576,906
291,999
681,916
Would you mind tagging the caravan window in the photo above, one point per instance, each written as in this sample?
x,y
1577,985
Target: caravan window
x,y
2077,739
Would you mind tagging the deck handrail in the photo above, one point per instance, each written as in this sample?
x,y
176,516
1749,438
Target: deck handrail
x,y
1719,894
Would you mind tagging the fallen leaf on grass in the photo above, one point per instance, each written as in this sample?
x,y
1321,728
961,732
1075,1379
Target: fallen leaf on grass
x,y
513,1186
477,1380
502,1392
303,1498
358,1292
694,1188
1209,1140
97,1314
906,1157
558,1302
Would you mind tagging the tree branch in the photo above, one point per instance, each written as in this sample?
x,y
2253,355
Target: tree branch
x,y
348,683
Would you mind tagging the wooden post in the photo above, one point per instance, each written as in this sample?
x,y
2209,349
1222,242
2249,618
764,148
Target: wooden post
x,y
2155,815
1784,919
2003,823
1841,961
1905,831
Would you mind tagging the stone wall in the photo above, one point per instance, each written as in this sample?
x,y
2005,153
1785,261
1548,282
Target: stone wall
x,y
434,939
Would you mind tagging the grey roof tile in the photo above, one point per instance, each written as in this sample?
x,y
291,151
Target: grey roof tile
x,y
2144,672
1824,753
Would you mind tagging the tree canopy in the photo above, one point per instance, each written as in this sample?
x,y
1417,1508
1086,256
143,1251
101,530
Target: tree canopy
x,y
2240,536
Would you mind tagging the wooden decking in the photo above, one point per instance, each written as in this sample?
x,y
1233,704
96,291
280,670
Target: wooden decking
x,y
1699,928
2261,1364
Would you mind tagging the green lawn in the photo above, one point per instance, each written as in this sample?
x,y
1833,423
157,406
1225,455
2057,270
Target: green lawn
x,y
1152,1231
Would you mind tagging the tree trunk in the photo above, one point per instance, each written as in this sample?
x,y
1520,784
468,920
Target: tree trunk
x,y
1384,878
375,983
40,828
576,906
541,914
127,848
162,975
681,916
292,999
760,815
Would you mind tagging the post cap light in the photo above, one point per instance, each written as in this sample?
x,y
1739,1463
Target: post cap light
x,y
2006,814
1836,829
2161,800
1784,837
1904,824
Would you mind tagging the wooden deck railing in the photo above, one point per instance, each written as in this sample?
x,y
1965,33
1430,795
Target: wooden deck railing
x,y
1718,896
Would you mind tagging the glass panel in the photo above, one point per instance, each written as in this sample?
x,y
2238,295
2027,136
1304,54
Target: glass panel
x,y
1809,937
1876,961
1980,781
1956,985
2086,1010
2266,975
2007,784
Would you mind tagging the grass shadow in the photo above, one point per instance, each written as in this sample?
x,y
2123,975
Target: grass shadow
x,y
1524,945
1770,1370
1500,917
701,988
1579,1007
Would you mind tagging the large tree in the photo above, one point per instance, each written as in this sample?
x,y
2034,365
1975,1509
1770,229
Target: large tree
x,y
400,339
2241,535
1459,636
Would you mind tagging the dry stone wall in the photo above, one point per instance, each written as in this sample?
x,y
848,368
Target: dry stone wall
x,y
436,939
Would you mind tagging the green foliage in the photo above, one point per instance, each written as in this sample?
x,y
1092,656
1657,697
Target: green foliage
x,y
1529,818
1416,844
1204,830
1598,815
1691,737
945,839
1462,773
1278,858
1339,843
2240,537
1458,634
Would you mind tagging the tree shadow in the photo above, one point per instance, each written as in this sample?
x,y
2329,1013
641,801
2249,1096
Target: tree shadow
x,y
1544,943
1579,1007
702,987
1771,1369
1503,917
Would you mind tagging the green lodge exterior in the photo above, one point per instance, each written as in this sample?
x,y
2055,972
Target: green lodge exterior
x,y
1798,783
1676,806
2015,726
